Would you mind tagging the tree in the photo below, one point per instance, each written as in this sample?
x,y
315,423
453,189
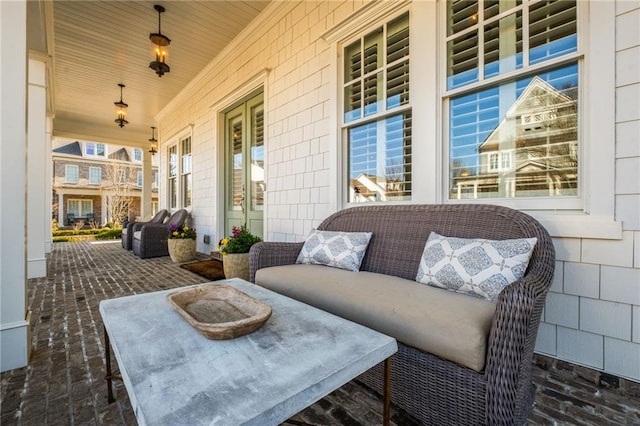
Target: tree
x,y
118,182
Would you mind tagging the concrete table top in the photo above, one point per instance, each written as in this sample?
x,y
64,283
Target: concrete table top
x,y
174,375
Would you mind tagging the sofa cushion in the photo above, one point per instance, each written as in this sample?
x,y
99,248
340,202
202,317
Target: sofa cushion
x,y
137,235
344,250
477,267
447,324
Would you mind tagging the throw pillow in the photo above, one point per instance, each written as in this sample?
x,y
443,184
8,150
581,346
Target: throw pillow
x,y
344,250
478,267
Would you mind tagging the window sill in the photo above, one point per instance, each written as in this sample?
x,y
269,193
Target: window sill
x,y
579,226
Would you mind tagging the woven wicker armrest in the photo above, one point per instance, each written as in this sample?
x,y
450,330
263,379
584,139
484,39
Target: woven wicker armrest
x,y
510,349
153,231
266,254
136,226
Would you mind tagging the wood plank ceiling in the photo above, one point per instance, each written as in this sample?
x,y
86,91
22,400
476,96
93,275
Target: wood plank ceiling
x,y
98,44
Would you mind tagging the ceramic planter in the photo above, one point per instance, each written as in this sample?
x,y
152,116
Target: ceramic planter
x,y
182,250
236,265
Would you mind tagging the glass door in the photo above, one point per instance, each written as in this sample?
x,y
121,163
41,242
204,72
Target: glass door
x,y
244,166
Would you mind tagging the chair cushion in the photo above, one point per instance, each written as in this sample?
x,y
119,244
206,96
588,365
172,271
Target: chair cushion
x,y
137,235
344,250
447,324
477,267
124,230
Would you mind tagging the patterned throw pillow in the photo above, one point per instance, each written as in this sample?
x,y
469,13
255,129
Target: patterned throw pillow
x,y
344,250
481,268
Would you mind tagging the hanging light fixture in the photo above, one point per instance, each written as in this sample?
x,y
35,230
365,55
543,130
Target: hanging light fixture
x,y
154,142
121,109
160,47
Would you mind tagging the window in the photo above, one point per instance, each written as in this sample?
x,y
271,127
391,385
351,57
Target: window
x,y
154,182
185,181
95,149
173,175
80,208
122,176
137,154
513,88
70,173
139,178
95,175
377,114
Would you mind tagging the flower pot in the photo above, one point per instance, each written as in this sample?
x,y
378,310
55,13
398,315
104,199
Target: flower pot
x,y
182,250
236,265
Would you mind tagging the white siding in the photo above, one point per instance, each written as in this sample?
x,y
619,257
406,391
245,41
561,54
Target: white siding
x,y
591,317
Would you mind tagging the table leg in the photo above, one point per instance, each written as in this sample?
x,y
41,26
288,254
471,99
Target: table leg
x,y
386,412
108,377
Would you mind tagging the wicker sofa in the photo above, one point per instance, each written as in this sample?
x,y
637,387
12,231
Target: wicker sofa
x,y
435,389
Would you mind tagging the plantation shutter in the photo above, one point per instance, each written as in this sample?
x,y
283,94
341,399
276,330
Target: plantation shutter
x,y
552,29
257,158
462,51
398,73
236,144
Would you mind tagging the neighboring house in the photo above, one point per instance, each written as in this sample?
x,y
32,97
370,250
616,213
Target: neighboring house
x,y
532,152
528,104
96,181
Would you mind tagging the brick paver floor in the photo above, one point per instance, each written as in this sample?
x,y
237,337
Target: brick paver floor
x,y
64,382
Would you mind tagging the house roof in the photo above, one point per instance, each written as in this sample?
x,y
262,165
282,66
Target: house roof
x,y
120,154
528,101
72,148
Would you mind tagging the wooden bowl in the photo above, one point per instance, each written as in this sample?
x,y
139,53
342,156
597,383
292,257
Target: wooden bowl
x,y
220,311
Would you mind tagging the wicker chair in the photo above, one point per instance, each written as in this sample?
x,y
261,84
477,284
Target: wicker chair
x,y
150,239
127,231
432,389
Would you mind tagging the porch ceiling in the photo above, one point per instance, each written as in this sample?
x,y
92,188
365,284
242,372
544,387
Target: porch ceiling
x,y
98,44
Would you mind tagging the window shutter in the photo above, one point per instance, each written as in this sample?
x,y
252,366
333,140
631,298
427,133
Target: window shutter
x,y
398,74
552,29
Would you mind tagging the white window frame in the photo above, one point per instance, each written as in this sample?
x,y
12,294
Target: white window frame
x,y
69,167
591,213
173,178
80,201
95,170
139,178
182,157
176,142
95,145
380,116
137,155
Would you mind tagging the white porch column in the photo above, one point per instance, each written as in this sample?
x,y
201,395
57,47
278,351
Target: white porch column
x,y
103,209
36,169
14,325
61,219
145,203
48,185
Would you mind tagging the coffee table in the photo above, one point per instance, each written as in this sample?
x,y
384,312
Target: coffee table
x,y
175,375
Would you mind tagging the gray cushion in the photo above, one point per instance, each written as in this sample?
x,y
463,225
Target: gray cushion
x,y
447,324
477,267
344,250
137,235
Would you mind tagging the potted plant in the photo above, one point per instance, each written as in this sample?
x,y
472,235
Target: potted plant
x,y
235,252
181,241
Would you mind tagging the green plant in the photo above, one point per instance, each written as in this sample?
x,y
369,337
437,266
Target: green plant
x,y
109,234
178,232
68,232
54,225
240,241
